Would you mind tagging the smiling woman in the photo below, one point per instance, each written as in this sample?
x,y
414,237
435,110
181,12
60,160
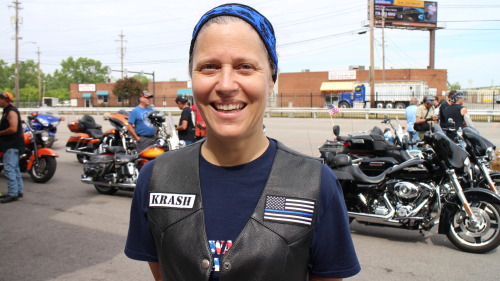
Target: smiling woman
x,y
257,209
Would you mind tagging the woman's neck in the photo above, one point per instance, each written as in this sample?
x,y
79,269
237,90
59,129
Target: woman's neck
x,y
229,153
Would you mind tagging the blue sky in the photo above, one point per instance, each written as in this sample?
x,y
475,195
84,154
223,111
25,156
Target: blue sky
x,y
319,35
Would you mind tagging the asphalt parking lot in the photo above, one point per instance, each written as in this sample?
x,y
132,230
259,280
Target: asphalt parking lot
x,y
65,230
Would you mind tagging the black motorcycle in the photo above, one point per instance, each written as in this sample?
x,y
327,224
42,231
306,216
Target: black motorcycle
x,y
420,193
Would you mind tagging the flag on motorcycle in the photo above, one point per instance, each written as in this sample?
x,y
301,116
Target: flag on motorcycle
x,y
332,109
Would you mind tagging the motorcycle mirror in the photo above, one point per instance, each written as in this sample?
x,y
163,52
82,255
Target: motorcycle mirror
x,y
336,130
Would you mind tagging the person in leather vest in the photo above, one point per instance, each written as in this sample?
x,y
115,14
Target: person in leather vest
x,y
238,205
457,111
11,143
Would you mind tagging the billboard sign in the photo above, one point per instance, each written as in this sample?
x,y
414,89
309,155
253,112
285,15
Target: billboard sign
x,y
406,13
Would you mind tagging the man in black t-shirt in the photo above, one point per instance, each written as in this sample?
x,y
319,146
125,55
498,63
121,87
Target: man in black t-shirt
x,y
186,127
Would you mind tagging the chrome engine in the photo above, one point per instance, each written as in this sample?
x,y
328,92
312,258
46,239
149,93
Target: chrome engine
x,y
406,190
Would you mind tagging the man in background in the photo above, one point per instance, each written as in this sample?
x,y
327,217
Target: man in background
x,y
11,143
458,112
139,125
411,119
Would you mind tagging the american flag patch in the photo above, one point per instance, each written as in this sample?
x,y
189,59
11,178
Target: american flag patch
x,y
289,210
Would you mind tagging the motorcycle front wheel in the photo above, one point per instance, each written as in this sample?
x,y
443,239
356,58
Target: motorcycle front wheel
x,y
479,236
44,169
103,189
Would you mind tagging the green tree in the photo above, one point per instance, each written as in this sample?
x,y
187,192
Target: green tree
x,y
83,70
454,86
6,76
128,88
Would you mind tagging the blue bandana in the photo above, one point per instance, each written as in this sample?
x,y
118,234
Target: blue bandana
x,y
248,14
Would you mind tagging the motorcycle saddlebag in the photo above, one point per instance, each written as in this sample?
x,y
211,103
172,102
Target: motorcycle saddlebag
x,y
98,165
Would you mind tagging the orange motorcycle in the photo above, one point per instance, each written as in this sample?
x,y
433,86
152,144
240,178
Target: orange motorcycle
x,y
37,160
89,139
115,170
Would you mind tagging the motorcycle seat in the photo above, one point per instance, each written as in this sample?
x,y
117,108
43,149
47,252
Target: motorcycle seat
x,y
115,149
125,158
95,133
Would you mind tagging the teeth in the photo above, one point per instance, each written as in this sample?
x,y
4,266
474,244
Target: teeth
x,y
229,107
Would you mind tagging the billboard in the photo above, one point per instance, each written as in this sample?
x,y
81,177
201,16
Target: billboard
x,y
406,13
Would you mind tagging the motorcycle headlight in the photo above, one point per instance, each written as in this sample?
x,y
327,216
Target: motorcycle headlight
x,y
490,154
45,136
467,166
44,122
161,142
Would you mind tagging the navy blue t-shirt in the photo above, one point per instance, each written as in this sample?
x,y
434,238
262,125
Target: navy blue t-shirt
x,y
230,195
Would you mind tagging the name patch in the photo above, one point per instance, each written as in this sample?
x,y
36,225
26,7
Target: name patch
x,y
171,200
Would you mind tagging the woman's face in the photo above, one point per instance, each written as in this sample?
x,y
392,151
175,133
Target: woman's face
x,y
231,79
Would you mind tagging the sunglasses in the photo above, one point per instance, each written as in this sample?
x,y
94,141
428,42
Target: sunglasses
x,y
147,97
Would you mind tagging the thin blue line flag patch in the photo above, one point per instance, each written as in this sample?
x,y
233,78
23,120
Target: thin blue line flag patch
x,y
289,210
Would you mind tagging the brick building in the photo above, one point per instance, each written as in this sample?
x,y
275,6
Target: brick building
x,y
303,89
101,94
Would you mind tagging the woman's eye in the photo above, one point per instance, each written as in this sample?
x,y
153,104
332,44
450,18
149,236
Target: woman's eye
x,y
245,68
207,68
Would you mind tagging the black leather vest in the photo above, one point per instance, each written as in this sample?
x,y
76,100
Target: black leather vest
x,y
14,140
454,112
264,250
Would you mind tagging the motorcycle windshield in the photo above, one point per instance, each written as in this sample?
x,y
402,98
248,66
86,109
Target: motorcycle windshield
x,y
478,142
453,155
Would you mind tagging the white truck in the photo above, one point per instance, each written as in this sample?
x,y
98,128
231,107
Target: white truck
x,y
388,94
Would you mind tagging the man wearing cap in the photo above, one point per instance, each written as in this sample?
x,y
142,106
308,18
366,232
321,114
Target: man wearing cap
x,y
139,125
457,111
11,142
425,114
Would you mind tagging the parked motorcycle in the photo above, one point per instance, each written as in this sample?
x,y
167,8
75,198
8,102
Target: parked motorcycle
x,y
115,170
39,121
37,160
420,193
89,139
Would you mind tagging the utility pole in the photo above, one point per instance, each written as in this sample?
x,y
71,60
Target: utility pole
x,y
122,51
17,7
372,67
383,44
40,96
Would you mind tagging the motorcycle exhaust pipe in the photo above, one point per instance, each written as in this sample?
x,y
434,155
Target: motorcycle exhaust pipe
x,y
378,219
105,183
80,152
